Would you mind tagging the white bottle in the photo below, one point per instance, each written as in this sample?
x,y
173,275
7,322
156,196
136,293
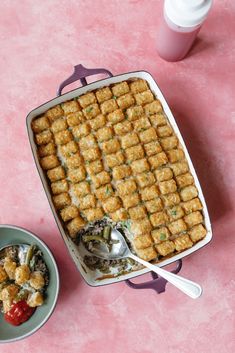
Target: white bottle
x,y
180,24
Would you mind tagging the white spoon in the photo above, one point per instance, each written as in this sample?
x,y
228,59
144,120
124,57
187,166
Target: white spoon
x,y
120,250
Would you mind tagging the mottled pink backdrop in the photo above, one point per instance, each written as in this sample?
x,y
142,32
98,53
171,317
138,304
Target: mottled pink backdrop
x,y
40,43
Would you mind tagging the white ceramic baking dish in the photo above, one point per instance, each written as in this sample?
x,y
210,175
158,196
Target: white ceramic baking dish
x,y
80,73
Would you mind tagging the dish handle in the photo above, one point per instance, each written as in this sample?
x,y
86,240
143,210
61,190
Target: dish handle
x,y
157,283
80,73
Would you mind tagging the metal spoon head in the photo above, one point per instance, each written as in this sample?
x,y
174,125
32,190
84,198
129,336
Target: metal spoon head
x,y
118,250
18,250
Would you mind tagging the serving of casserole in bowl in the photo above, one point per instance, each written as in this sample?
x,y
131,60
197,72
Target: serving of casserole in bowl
x,y
29,283
110,155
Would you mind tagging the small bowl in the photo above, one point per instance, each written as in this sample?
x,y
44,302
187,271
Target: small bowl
x,y
8,333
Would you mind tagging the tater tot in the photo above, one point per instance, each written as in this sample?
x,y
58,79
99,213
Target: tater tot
x,y
76,118
142,241
93,214
35,299
40,124
63,137
81,189
81,130
36,280
98,122
100,179
144,97
134,113
87,99
74,161
103,94
94,167
116,116
137,212
92,154
138,86
43,137
114,159
22,274
112,204
61,200
59,125
165,248
147,254
75,225
122,128
9,292
110,146
153,108
88,201
69,212
175,155
164,131
49,162
148,135
108,106
126,101
69,149
158,119
77,174
119,215
121,172
55,174
54,113
6,305
59,186
120,88
3,274
47,150
10,267
91,111
70,107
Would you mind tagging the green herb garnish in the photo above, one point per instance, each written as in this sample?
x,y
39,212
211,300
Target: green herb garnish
x,y
114,97
89,109
107,191
127,224
174,213
162,236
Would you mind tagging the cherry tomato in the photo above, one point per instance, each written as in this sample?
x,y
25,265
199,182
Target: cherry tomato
x,y
19,313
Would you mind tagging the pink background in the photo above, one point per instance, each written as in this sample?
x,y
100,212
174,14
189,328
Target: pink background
x,y
40,43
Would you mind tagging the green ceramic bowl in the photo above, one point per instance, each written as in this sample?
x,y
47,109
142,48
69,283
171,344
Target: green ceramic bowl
x,y
8,333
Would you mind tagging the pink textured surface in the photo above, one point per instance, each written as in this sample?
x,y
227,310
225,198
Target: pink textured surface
x,y
40,43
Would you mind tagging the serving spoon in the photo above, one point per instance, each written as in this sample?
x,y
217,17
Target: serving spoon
x,y
120,250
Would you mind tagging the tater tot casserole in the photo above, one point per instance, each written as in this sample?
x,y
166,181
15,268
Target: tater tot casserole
x,y
22,282
112,154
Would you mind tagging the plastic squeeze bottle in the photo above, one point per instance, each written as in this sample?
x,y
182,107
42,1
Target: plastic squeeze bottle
x,y
180,24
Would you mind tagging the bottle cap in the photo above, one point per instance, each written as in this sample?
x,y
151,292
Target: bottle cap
x,y
187,13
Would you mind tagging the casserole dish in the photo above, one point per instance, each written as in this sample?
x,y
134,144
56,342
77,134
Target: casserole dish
x,y
76,252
